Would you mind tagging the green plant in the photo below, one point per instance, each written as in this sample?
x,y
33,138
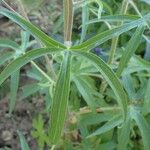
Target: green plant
x,y
78,67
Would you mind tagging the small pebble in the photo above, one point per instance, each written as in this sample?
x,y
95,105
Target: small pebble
x,y
6,135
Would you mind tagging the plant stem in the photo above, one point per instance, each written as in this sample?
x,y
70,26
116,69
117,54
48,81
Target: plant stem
x,y
50,69
115,40
42,72
68,21
86,110
53,147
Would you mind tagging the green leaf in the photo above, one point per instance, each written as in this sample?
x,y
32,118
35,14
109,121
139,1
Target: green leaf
x,y
58,24
143,63
85,18
108,145
107,7
30,89
85,91
24,144
143,126
6,56
146,106
24,59
60,101
115,121
110,77
45,39
138,12
124,135
113,18
130,49
6,43
137,64
109,34
92,118
14,83
129,86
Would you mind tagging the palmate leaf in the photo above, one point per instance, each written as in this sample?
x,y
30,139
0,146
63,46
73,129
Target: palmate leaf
x,y
130,49
109,34
143,126
45,39
60,101
110,77
24,59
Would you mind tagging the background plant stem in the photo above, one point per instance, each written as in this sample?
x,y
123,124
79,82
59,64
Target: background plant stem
x,y
68,21
98,110
114,43
115,40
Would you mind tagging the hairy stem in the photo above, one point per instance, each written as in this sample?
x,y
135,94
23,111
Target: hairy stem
x,y
68,21
42,72
86,110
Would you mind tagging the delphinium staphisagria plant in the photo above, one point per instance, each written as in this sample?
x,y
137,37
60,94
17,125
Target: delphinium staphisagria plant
x,y
111,114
